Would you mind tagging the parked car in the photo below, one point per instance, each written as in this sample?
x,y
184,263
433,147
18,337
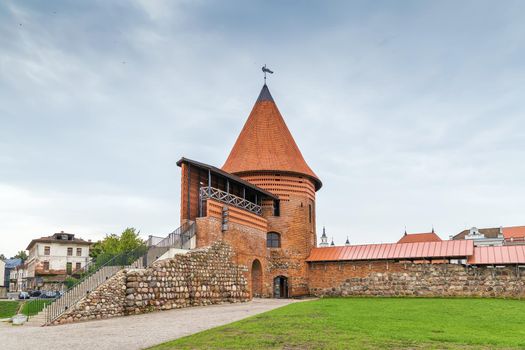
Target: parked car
x,y
35,293
24,295
48,295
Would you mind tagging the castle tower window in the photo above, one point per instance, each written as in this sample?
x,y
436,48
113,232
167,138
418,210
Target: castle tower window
x,y
273,240
276,208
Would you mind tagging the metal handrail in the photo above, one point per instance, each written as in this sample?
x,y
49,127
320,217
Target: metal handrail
x,y
208,192
172,239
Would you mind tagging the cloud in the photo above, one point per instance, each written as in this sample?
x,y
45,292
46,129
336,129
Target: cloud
x,y
411,114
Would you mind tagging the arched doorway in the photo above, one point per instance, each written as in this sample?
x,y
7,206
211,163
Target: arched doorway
x,y
280,287
256,279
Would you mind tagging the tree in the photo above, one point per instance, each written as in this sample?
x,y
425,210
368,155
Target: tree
x,y
21,255
130,240
113,244
2,257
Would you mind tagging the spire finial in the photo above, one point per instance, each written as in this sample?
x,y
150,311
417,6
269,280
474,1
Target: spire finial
x,y
433,228
266,70
405,230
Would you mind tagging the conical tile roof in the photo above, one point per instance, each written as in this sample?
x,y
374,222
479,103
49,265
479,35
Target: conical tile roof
x,y
265,143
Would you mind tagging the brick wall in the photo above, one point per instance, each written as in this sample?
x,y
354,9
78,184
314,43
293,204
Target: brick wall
x,y
236,215
386,278
248,244
295,224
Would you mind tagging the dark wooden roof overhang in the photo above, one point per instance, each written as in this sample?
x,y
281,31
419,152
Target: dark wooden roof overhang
x,y
230,177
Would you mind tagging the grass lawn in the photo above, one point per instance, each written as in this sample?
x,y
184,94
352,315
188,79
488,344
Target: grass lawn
x,y
8,308
373,323
32,307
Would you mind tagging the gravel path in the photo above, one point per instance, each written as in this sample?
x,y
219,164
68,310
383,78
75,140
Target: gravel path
x,y
132,332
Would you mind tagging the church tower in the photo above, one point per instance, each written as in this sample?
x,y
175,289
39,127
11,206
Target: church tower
x,y
324,239
266,155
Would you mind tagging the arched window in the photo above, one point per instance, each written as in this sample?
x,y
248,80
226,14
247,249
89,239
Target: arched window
x,y
273,240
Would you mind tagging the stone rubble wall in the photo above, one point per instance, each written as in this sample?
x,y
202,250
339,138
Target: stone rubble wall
x,y
201,277
107,301
407,279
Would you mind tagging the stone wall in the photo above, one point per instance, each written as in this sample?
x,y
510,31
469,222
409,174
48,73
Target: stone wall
x,y
107,301
406,279
201,277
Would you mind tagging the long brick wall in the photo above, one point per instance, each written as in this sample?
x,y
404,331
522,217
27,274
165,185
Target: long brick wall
x,y
388,278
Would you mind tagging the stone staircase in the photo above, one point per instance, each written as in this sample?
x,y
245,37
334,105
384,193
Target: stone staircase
x,y
73,295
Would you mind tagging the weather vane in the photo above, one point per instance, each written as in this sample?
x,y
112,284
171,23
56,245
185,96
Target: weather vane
x,y
266,70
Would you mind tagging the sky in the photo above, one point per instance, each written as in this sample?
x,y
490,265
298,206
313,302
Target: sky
x,y
412,113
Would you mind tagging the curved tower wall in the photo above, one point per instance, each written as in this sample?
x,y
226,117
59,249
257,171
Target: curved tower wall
x,y
266,155
295,224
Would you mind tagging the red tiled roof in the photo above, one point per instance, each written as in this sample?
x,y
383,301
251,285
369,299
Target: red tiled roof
x,y
419,237
394,251
498,255
265,143
514,232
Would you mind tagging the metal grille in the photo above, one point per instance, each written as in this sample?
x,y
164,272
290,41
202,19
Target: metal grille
x,y
228,198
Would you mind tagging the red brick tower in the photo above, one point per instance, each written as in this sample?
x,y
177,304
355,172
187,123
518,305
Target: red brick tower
x,y
266,155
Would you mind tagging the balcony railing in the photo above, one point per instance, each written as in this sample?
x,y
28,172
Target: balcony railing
x,y
228,198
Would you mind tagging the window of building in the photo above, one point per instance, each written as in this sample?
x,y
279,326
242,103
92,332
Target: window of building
x,y
47,250
46,265
69,268
78,266
310,213
276,208
69,251
79,251
273,240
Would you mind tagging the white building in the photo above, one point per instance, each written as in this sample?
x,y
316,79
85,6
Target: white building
x,y
52,259
483,237
3,288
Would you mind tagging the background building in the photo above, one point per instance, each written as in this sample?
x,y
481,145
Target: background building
x,y
495,236
10,265
18,279
51,259
419,237
3,285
